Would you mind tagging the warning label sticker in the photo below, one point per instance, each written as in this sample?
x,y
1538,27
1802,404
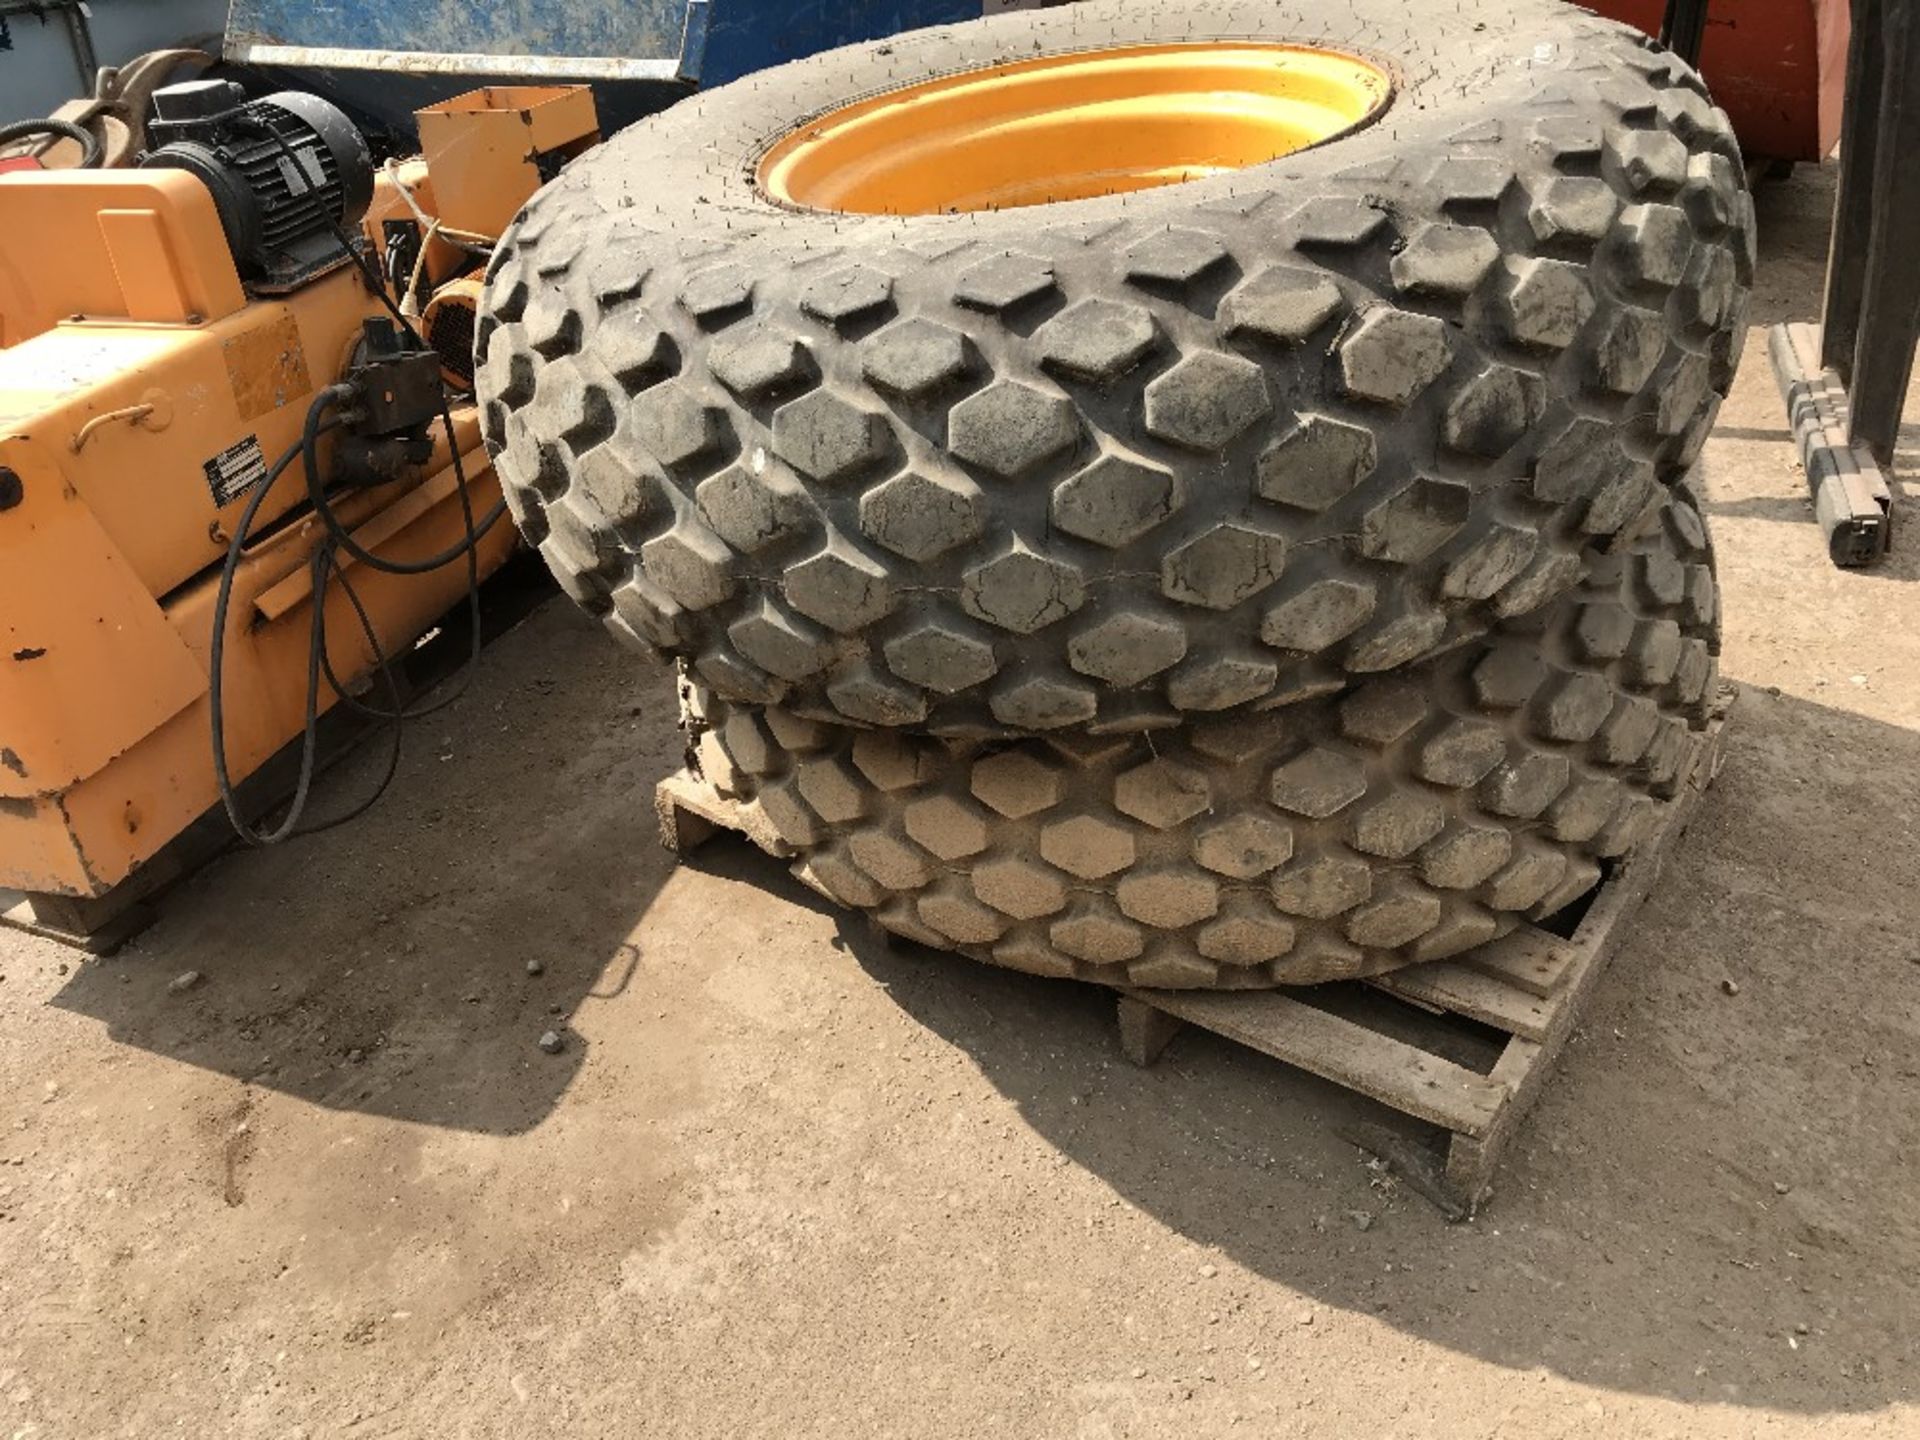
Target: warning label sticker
x,y
235,470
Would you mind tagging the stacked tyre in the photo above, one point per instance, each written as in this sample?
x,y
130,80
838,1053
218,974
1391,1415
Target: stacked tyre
x,y
1284,573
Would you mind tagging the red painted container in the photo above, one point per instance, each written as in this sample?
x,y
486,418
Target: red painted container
x,y
1777,67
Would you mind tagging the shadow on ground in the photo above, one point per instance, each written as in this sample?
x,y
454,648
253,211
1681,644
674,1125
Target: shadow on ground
x,y
1716,1189
384,969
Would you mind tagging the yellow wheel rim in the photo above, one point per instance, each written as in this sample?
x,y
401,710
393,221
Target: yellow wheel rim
x,y
1073,126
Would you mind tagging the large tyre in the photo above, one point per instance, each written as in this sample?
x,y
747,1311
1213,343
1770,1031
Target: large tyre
x,y
1414,817
1109,462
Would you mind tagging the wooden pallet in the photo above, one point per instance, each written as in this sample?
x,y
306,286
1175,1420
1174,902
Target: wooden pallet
x,y
1528,986
1396,1038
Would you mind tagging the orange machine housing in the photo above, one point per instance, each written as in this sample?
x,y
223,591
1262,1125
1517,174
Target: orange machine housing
x,y
140,390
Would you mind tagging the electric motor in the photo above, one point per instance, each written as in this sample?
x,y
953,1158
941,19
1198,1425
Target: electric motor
x,y
287,173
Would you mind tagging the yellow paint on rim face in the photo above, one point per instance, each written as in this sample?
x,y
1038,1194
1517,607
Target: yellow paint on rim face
x,y
1073,126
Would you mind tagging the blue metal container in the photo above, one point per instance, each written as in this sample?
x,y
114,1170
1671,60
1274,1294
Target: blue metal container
x,y
704,42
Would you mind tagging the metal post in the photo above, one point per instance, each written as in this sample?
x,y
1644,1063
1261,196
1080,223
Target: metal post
x,y
1683,27
1853,205
1889,317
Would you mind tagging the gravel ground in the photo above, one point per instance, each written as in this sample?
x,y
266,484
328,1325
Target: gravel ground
x,y
778,1181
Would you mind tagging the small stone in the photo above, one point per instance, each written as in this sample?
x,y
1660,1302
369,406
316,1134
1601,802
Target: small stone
x,y
1473,1286
1305,1317
1362,1219
1207,1272
553,1009
534,967
1253,1362
184,982
551,1042
354,1057
1730,987
1780,1187
1802,1328
1139,1372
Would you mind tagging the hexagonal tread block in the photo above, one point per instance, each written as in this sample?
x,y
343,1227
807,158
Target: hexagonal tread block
x,y
1010,428
921,516
1096,339
1168,899
673,427
888,859
1546,303
822,435
713,297
832,788
1244,846
914,357
1245,934
1174,258
1022,591
863,693
754,511
1114,501
1037,702
1004,281
1414,521
1280,304
1087,846
839,587
691,564
778,643
1015,784
1097,938
1394,919
1207,401
1317,616
947,827
1573,207
1656,243
1219,682
758,361
1320,460
1223,566
1322,887
1336,221
1397,824
848,296
1445,260
961,920
1318,783
1162,793
1020,888
1492,411
1392,355
1381,712
891,762
1494,560
1127,647
1465,856
940,658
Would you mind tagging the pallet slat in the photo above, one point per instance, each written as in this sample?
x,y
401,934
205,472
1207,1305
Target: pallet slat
x,y
1390,1071
1529,959
1465,991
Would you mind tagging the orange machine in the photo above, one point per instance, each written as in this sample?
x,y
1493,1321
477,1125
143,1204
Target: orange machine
x,y
163,348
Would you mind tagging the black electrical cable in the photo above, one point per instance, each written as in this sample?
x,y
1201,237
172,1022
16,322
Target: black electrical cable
x,y
217,659
88,142
325,566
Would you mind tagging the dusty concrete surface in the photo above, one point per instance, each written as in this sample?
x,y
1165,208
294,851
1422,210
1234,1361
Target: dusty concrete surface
x,y
783,1183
